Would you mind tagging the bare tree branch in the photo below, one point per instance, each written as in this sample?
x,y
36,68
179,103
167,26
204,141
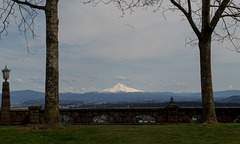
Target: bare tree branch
x,y
30,4
5,20
193,11
23,13
218,13
188,15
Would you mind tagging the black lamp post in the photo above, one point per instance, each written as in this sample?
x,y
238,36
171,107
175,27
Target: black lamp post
x,y
5,107
6,73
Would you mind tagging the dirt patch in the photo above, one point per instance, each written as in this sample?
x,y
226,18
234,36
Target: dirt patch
x,y
40,127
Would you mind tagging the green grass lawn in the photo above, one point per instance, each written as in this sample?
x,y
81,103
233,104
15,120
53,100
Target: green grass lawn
x,y
124,134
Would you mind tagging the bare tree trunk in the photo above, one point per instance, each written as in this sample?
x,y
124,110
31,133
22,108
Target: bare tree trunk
x,y
51,113
209,114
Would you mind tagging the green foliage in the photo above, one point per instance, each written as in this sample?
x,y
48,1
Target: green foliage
x,y
123,134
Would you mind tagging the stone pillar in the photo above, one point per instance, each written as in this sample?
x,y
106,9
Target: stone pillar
x,y
172,113
5,107
34,114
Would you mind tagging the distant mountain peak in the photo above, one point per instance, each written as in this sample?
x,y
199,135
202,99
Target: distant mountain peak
x,y
119,87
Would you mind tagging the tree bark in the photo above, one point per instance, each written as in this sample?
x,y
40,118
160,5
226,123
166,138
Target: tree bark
x,y
209,114
51,113
205,39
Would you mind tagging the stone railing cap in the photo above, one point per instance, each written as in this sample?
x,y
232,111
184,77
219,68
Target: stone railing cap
x,y
172,106
35,107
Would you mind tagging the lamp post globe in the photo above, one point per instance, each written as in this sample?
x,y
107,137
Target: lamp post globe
x,y
6,73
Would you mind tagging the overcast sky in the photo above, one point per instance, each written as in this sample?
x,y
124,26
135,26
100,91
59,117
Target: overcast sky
x,y
99,48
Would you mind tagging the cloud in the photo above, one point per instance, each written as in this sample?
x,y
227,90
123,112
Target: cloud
x,y
180,84
110,38
40,88
37,80
67,89
230,87
93,89
19,80
12,58
222,54
92,78
120,78
148,83
99,47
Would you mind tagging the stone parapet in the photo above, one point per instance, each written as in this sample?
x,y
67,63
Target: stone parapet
x,y
34,114
170,114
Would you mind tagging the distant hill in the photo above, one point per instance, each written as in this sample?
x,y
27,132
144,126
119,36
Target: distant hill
x,y
29,96
21,96
231,99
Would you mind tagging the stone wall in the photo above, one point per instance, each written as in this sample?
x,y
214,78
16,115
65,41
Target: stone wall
x,y
19,116
170,114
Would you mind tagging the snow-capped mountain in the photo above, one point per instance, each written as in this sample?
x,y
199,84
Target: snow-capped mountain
x,y
121,88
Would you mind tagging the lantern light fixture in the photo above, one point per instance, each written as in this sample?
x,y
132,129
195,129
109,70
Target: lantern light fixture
x,y
6,73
